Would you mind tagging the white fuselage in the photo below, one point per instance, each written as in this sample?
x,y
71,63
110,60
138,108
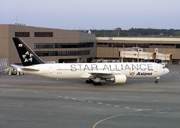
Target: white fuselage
x,y
84,70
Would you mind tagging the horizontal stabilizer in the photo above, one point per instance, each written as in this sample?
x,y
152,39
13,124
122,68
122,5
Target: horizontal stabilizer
x,y
29,69
16,66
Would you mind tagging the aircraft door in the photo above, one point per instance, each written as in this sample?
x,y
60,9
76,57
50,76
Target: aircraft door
x,y
155,68
50,70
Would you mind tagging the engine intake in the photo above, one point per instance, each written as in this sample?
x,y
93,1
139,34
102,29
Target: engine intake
x,y
120,79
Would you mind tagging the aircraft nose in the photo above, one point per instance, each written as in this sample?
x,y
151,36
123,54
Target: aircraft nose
x,y
167,70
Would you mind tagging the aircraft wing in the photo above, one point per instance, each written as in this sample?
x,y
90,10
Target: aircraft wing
x,y
103,75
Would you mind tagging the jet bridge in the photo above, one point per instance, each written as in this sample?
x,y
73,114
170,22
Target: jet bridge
x,y
137,53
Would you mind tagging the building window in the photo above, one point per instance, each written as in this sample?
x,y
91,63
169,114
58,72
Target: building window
x,y
142,45
118,44
129,45
63,45
177,45
121,45
43,34
22,34
63,53
102,44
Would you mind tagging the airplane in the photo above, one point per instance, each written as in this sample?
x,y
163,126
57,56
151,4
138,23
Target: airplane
x,y
92,72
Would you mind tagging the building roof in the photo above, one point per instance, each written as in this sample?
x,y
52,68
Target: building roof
x,y
136,39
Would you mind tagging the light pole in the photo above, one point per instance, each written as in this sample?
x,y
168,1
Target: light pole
x,y
138,54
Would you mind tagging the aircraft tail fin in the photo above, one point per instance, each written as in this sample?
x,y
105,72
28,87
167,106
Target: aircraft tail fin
x,y
27,55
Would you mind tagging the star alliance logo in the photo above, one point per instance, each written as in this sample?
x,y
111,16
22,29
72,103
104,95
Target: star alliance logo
x,y
132,73
27,57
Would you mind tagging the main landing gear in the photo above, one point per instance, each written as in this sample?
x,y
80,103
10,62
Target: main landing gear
x,y
95,83
157,80
89,81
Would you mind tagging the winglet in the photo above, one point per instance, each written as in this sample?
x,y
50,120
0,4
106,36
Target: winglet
x,y
27,56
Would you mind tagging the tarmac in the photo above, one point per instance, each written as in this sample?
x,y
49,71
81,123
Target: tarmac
x,y
35,102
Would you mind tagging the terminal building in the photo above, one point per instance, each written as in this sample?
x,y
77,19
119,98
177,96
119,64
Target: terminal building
x,y
60,46
66,46
108,48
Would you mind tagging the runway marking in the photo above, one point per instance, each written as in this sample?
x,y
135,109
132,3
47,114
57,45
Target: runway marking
x,y
6,105
107,119
89,101
117,106
100,103
162,112
140,110
127,107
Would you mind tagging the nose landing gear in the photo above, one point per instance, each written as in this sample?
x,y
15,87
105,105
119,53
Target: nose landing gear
x,y
157,80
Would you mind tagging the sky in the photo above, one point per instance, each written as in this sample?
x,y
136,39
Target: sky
x,y
92,14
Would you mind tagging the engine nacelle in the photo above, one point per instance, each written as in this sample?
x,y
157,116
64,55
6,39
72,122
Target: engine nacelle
x,y
120,79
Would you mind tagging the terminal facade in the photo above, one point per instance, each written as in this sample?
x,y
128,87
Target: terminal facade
x,y
108,48
60,46
65,46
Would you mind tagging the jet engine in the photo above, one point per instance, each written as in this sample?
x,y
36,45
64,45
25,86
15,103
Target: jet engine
x,y
118,79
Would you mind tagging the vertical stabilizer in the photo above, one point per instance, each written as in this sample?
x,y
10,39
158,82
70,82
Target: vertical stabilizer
x,y
27,56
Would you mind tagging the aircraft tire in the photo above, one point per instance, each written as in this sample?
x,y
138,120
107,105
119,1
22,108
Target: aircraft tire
x,y
157,82
89,81
97,83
